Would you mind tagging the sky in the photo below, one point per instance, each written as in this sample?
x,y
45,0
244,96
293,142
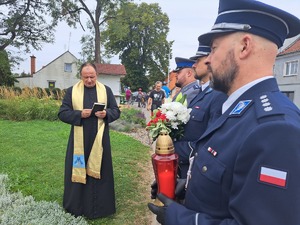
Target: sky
x,y
188,20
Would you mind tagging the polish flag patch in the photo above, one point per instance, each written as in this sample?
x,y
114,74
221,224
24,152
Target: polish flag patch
x,y
273,176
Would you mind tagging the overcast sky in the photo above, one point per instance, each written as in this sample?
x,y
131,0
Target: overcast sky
x,y
188,19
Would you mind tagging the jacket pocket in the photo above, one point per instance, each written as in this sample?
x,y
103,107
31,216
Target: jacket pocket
x,y
207,177
197,114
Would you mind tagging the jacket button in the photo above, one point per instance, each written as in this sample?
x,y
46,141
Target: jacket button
x,y
204,169
196,154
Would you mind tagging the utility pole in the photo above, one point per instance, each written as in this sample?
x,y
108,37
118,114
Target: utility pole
x,y
169,55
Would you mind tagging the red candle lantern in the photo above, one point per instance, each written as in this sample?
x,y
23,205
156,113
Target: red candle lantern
x,y
165,163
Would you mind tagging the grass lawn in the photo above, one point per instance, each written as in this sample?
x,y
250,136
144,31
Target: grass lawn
x,y
33,154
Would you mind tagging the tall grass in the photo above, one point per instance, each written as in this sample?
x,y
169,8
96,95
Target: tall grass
x,y
29,104
13,92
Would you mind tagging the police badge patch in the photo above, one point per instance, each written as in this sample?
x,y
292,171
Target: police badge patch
x,y
240,107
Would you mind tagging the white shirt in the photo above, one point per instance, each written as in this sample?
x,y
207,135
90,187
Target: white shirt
x,y
203,86
235,95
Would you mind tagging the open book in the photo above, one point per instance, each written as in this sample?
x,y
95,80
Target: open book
x,y
97,107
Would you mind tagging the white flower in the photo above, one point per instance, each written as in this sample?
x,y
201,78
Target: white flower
x,y
176,113
174,125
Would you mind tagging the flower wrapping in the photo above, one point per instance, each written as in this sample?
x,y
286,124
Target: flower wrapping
x,y
171,118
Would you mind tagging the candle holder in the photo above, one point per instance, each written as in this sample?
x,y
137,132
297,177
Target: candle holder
x,y
165,163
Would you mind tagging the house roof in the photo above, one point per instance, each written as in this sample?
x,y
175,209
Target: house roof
x,y
292,48
111,69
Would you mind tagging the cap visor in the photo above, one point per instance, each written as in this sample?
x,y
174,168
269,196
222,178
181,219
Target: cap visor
x,y
207,38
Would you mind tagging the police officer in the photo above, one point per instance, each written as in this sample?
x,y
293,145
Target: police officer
x,y
185,79
246,166
206,108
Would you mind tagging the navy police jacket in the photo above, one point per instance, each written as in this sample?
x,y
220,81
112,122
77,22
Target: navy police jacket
x,y
206,108
247,165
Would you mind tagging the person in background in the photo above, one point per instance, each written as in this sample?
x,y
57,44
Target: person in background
x,y
128,95
89,182
156,97
243,172
140,97
185,79
166,89
206,109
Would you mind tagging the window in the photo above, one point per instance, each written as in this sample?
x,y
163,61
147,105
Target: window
x,y
68,67
291,68
51,84
289,94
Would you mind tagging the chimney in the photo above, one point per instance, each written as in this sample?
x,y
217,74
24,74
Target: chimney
x,y
32,65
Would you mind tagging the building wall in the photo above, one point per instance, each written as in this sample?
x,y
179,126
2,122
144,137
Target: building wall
x,y
50,72
24,82
112,81
55,71
288,83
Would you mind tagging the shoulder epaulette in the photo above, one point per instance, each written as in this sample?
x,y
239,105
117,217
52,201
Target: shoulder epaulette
x,y
267,105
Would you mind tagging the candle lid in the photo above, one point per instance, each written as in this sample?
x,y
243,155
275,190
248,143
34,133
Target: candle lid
x,y
164,144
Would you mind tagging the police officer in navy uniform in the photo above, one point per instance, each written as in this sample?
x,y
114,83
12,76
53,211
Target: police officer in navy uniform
x,y
246,165
185,78
206,108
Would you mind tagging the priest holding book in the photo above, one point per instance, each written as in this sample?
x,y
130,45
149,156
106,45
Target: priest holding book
x,y
89,182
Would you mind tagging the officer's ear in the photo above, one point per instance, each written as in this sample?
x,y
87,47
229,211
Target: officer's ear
x,y
246,45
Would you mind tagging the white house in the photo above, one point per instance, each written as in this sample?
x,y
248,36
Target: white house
x,y
287,71
62,73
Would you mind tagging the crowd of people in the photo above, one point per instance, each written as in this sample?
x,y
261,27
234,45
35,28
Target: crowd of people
x,y
240,153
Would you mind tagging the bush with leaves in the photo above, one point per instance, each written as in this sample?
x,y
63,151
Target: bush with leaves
x,y
18,209
129,120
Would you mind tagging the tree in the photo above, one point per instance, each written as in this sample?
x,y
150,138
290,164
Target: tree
x,y
23,24
6,77
139,36
71,11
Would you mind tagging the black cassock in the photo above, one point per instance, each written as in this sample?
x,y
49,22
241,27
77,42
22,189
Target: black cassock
x,y
96,198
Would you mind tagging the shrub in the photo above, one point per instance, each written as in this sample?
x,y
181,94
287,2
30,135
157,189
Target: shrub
x,y
132,115
17,90
129,120
20,109
19,209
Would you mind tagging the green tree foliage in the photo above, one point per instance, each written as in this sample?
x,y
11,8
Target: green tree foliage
x,y
6,77
98,12
23,24
139,36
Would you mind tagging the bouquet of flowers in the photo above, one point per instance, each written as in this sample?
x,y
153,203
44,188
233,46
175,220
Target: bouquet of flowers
x,y
170,117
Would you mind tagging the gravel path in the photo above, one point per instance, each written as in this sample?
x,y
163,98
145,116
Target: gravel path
x,y
143,136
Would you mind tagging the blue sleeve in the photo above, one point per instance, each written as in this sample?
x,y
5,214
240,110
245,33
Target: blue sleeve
x,y
177,214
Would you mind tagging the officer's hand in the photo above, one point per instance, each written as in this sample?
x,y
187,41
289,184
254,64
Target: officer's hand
x,y
153,189
160,211
180,189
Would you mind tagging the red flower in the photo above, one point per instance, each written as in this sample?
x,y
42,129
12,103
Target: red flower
x,y
158,113
157,117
